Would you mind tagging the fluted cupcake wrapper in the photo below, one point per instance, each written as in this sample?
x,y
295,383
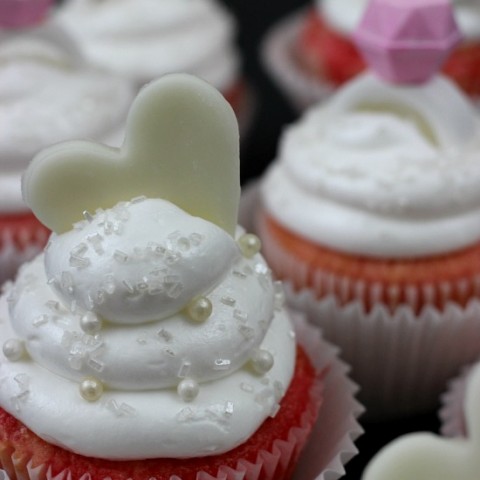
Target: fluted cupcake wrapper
x,y
19,246
331,440
401,358
301,88
452,406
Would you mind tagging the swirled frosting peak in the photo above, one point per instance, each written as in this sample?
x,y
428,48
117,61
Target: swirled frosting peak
x,y
382,170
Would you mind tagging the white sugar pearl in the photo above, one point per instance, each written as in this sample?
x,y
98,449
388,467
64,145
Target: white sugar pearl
x,y
199,309
90,323
262,361
188,389
91,389
249,245
13,349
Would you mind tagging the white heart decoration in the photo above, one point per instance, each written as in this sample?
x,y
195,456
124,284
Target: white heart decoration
x,y
424,456
181,145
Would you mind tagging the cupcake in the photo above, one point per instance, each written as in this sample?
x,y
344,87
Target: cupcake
x,y
312,53
47,95
143,39
371,214
149,339
425,456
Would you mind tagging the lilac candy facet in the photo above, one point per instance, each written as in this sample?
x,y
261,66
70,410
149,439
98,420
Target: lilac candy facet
x,y
406,41
16,14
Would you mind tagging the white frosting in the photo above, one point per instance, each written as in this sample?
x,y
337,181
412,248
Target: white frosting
x,y
344,15
46,97
140,414
143,39
399,181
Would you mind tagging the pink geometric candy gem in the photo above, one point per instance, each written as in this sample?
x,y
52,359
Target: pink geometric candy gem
x,y
23,13
406,41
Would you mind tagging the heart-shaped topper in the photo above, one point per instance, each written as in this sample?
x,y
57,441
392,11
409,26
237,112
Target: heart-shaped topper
x,y
424,456
181,145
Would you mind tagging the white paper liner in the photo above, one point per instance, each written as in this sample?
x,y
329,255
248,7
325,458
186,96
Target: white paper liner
x,y
401,360
12,256
331,443
302,89
452,410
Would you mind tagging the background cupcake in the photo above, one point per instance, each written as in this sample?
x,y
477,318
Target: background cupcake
x,y
312,53
144,39
47,95
366,213
163,362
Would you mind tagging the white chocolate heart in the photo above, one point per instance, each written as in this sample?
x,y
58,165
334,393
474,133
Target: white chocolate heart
x,y
424,456
181,145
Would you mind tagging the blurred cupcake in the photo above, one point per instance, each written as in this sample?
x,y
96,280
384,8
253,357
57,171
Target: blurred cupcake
x,y
144,39
149,339
312,52
371,214
424,456
46,95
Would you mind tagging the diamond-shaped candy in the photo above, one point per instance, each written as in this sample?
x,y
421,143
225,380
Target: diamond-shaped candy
x,y
406,41
23,13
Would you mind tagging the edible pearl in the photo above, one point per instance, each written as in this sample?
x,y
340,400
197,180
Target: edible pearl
x,y
13,349
188,389
91,389
90,323
249,245
199,309
262,361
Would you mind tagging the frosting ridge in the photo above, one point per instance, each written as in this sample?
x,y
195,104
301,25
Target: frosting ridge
x,y
382,171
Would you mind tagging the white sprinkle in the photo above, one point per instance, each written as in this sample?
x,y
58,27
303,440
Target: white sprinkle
x,y
246,387
66,282
120,256
184,369
40,320
109,284
169,352
96,241
229,301
183,244
222,364
166,335
79,249
87,216
79,262
228,409
262,398
138,199
275,410
195,239
239,274
54,306
128,286
247,332
96,365
240,315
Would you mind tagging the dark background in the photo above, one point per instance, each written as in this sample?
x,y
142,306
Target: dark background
x,y
258,150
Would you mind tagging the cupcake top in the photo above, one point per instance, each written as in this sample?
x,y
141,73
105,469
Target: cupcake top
x,y
344,15
151,327
47,95
389,166
425,456
142,39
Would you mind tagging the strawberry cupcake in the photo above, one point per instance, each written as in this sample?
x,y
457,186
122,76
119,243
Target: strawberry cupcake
x,y
46,95
312,53
371,213
144,39
149,339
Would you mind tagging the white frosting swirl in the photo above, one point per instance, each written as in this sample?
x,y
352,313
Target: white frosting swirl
x,y
382,171
143,39
141,362
344,15
46,97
